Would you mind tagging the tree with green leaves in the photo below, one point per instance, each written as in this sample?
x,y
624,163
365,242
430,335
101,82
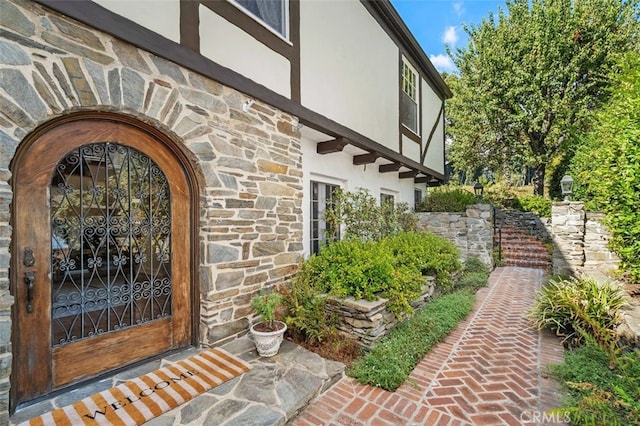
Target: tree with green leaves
x,y
530,79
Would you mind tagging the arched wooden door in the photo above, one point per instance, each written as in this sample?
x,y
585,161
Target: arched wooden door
x,y
100,253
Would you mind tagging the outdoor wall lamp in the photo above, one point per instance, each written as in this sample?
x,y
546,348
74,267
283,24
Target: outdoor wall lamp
x,y
566,185
247,104
478,189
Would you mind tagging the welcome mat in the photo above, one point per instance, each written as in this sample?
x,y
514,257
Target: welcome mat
x,y
139,400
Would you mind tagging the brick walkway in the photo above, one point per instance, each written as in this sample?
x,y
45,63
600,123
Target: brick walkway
x,y
487,372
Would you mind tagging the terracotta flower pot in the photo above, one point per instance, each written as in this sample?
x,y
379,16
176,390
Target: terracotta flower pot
x,y
267,341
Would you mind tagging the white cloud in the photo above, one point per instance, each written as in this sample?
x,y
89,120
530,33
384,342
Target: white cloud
x,y
450,36
442,62
458,8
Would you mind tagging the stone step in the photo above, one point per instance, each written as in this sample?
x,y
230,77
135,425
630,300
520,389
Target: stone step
x,y
527,263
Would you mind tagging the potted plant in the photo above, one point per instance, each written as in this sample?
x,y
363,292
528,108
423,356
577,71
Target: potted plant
x,y
268,333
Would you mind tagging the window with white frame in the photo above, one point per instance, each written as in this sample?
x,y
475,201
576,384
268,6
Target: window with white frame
x,y
272,13
409,103
322,198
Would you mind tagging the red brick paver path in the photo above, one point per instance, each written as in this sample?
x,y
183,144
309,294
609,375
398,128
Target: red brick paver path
x,y
487,372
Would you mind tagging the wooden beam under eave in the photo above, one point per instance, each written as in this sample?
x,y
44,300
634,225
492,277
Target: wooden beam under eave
x,y
365,158
409,174
393,167
423,179
332,146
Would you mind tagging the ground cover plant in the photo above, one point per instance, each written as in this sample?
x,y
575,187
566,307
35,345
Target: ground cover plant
x,y
600,376
595,393
390,362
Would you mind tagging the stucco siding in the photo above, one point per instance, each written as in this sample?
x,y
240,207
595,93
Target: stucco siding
x,y
349,69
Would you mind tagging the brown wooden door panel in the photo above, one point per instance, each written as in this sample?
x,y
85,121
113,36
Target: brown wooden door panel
x,y
91,357
39,365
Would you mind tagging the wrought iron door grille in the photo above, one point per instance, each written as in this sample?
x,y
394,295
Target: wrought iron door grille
x,y
110,242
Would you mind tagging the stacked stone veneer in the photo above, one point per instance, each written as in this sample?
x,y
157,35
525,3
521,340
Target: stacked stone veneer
x,y
249,164
368,321
580,241
528,222
471,231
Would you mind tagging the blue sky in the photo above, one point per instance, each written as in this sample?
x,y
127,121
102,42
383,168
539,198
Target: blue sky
x,y
435,23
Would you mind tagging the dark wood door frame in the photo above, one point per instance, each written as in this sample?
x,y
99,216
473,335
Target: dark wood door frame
x,y
109,123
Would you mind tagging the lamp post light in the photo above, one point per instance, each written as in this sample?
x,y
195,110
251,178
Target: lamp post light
x,y
478,189
566,185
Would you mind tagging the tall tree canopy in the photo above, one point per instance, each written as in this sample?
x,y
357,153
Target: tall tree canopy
x,y
531,77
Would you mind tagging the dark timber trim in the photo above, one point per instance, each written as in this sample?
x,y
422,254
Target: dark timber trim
x,y
385,14
332,146
365,158
393,167
120,27
189,25
249,25
433,130
409,174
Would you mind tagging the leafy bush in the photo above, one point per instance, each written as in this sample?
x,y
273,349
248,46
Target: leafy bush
x,y
597,394
446,199
361,269
533,203
606,167
305,315
390,362
363,218
427,254
580,309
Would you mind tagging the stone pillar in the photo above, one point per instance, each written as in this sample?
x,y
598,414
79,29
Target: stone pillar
x,y
480,233
568,227
597,256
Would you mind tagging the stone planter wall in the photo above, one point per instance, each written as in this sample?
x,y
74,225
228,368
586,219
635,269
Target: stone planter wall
x,y
367,322
471,231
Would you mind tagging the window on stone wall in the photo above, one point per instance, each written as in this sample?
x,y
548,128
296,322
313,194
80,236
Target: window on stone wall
x,y
272,13
321,199
409,101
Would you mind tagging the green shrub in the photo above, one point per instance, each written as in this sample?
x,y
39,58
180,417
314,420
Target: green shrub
x,y
390,362
362,269
581,310
596,393
427,254
534,203
606,166
305,313
363,218
446,199
473,264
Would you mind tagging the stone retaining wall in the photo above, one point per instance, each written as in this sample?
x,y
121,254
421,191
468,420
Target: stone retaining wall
x,y
367,322
471,231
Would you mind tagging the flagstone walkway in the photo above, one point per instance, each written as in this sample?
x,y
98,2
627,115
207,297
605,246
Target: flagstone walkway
x,y
489,371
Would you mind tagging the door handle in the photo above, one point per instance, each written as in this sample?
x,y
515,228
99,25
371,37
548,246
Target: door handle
x,y
29,279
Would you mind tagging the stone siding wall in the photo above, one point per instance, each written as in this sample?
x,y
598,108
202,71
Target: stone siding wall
x,y
470,231
249,164
580,241
368,322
